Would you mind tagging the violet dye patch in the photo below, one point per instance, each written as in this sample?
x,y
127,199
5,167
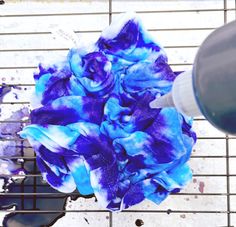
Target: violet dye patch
x,y
93,129
8,146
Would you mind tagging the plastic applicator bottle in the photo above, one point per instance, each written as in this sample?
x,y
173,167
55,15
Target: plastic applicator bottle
x,y
209,89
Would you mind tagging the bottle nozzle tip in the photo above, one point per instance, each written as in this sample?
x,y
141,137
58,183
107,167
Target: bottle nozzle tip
x,y
154,104
162,101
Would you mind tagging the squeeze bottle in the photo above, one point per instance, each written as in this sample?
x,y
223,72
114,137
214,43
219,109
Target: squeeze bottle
x,y
209,89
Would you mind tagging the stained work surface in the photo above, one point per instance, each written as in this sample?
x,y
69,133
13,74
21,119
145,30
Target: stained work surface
x,y
180,26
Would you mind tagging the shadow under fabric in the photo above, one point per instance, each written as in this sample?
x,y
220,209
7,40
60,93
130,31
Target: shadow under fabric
x,y
94,129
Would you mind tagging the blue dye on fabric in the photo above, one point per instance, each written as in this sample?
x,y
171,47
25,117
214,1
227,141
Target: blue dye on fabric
x,y
95,131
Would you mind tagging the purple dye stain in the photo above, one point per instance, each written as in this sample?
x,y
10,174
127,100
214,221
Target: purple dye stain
x,y
10,130
201,186
194,180
16,96
183,216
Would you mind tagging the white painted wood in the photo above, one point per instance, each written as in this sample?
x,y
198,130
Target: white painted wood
x,y
230,16
182,38
205,129
233,219
165,220
23,8
39,41
230,3
232,163
233,203
233,184
30,58
232,147
141,5
17,76
42,23
186,203
179,202
181,56
208,165
93,219
209,147
181,20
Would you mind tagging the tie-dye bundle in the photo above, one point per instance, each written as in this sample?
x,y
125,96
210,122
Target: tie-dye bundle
x,y
95,131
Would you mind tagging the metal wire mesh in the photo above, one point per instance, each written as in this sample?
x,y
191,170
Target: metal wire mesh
x,y
228,12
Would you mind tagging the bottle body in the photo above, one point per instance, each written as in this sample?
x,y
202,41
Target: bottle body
x,y
214,78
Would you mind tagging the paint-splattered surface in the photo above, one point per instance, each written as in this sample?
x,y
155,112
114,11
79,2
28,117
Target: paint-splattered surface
x,y
26,39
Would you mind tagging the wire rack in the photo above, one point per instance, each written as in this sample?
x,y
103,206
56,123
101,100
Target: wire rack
x,y
181,26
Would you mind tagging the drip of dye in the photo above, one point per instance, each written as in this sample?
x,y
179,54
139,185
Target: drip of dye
x,y
93,128
3,91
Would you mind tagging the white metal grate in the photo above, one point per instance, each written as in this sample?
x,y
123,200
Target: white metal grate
x,y
181,26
